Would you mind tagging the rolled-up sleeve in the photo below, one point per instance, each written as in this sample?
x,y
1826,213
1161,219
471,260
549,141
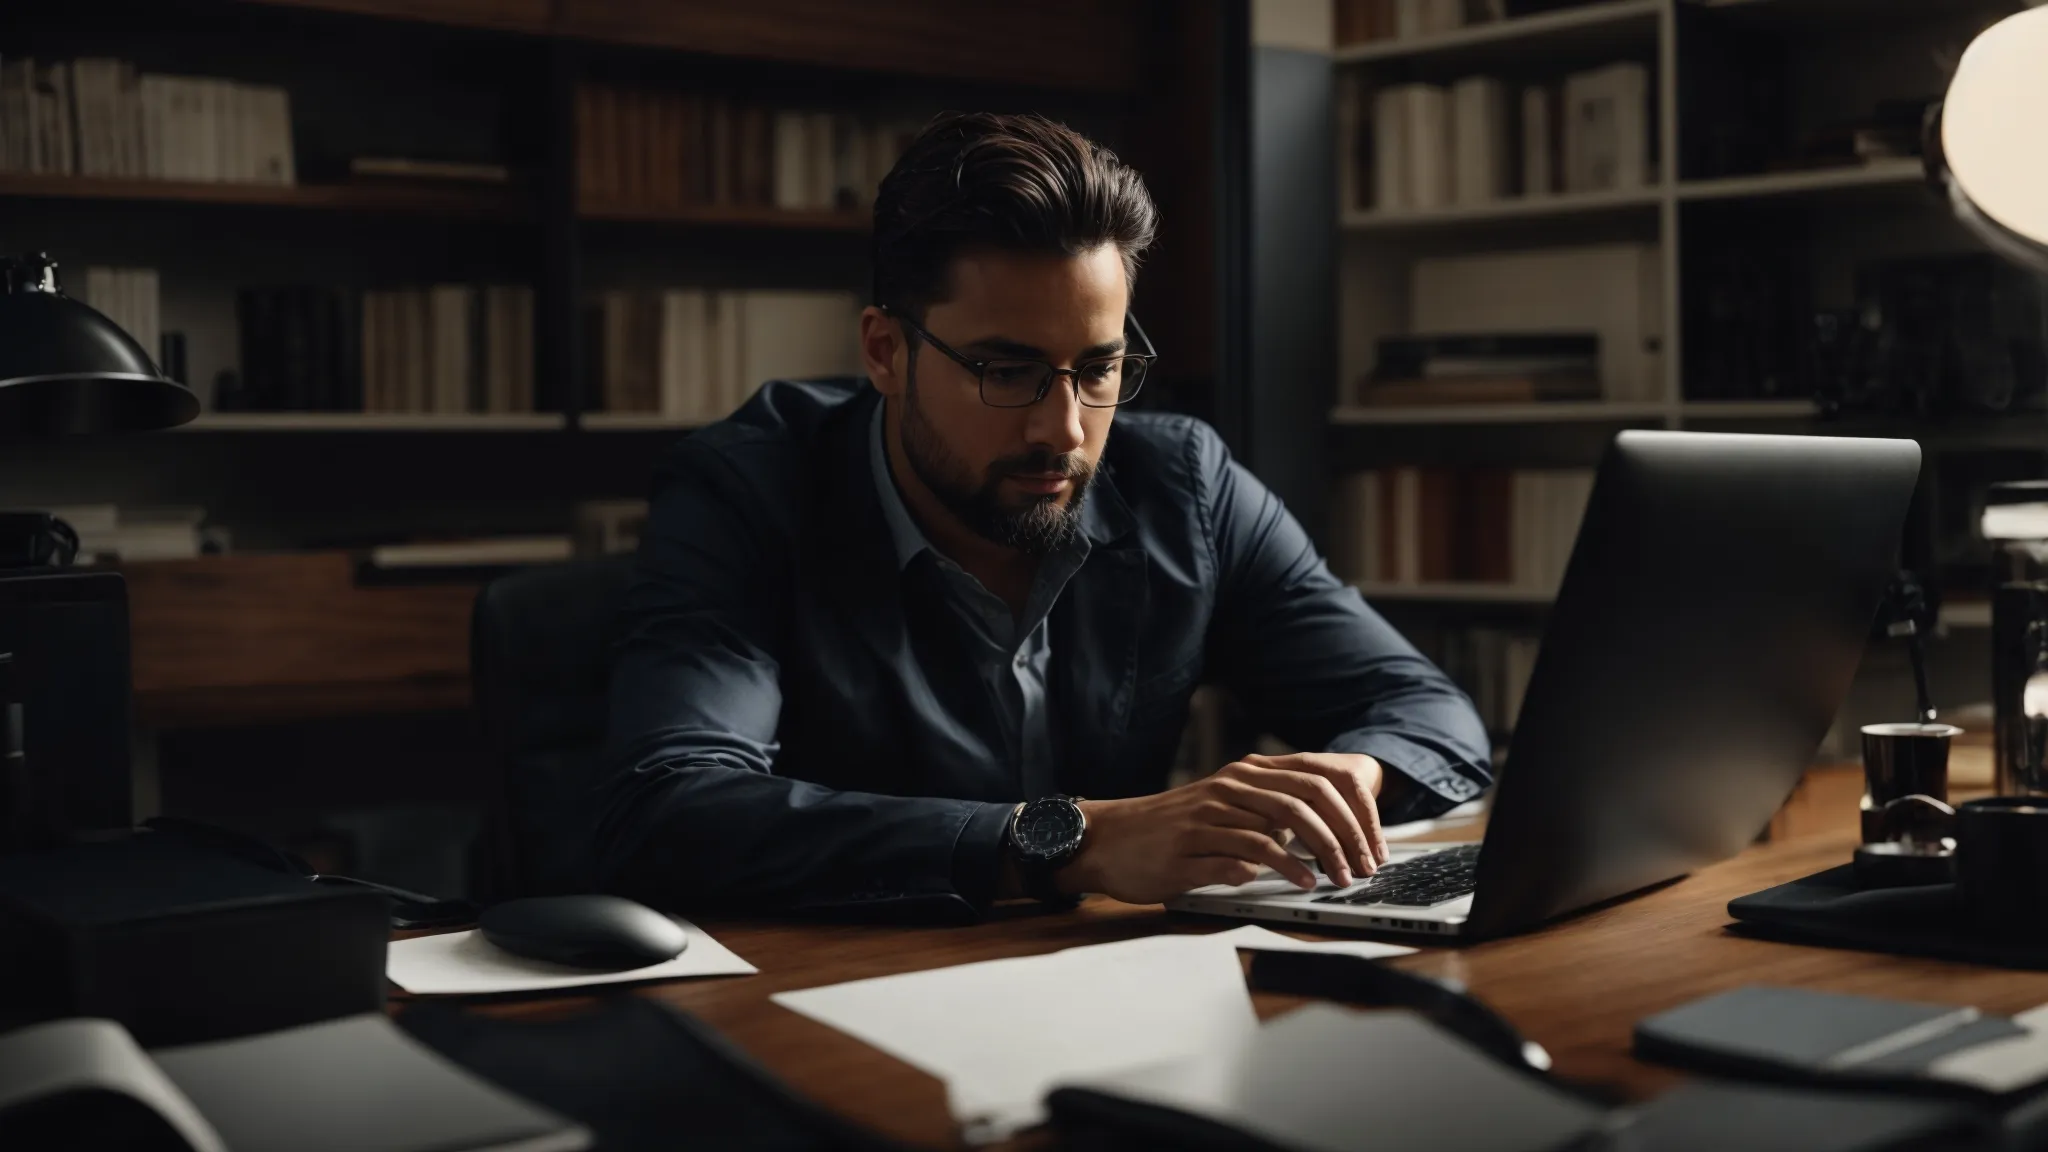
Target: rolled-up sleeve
x,y
1315,664
692,813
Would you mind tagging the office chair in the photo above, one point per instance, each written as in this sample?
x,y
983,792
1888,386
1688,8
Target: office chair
x,y
540,655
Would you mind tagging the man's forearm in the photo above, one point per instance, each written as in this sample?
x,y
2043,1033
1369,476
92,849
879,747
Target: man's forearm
x,y
711,836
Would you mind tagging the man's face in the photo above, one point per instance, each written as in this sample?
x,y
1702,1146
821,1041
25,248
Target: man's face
x,y
1015,476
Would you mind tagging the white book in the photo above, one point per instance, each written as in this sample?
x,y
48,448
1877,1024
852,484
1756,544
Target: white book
x,y
687,367
152,92
1428,146
86,114
59,134
1479,136
798,336
236,162
792,160
205,164
188,156
17,97
1411,18
450,305
1538,176
1390,149
1407,566
147,303
498,347
728,330
1607,139
276,164
132,123
823,161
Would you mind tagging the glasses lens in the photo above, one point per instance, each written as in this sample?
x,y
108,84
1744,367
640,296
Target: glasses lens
x,y
1107,383
1012,383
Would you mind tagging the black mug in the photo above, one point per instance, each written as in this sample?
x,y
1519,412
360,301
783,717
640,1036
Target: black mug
x,y
2002,865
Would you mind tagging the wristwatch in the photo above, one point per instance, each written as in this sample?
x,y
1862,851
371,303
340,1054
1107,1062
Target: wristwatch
x,y
1043,835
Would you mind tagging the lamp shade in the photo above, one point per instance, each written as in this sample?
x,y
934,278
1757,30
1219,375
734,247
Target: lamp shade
x,y
65,369
1986,150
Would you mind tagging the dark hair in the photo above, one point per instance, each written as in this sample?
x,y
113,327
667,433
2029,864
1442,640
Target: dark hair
x,y
1017,183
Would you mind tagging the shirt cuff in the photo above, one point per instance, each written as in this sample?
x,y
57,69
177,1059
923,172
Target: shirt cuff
x,y
978,854
1441,784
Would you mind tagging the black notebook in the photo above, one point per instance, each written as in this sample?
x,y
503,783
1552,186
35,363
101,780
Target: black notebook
x,y
1799,1035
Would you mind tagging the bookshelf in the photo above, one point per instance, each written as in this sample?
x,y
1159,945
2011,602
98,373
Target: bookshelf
x,y
454,201
1809,219
635,422
377,422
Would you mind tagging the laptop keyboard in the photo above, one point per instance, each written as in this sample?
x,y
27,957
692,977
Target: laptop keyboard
x,y
1417,883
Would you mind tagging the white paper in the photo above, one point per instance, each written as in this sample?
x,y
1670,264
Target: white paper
x,y
1266,940
2001,1065
464,963
1001,1032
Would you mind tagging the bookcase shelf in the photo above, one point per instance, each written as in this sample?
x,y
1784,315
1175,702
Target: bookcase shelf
x,y
1559,411
376,422
635,422
454,200
1455,593
1526,208
1750,409
1875,174
730,216
1588,24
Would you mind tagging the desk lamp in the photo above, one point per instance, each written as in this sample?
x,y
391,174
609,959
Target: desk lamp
x,y
65,370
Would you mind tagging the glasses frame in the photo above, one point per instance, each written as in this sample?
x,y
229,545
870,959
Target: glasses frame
x,y
978,367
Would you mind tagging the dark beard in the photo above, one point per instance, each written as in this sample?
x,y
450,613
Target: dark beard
x,y
1039,528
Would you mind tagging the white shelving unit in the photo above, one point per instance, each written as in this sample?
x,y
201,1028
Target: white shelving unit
x,y
375,422
1377,248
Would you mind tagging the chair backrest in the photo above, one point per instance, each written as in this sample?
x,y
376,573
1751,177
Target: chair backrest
x,y
540,656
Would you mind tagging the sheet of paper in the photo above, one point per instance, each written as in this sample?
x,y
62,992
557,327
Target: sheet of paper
x,y
2001,1065
1000,1032
1266,940
466,964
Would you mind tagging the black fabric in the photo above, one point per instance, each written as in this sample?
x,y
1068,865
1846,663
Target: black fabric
x,y
640,1076
1927,920
540,649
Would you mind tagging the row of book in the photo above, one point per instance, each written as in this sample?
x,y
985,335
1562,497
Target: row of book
x,y
444,348
1493,666
131,298
1410,147
100,117
113,533
696,354
643,149
1358,21
1488,369
1441,525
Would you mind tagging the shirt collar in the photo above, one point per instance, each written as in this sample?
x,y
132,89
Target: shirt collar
x,y
904,533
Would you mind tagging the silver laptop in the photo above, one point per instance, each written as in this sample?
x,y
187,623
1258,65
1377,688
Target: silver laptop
x,y
1715,608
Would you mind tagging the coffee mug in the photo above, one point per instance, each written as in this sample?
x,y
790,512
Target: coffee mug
x,y
2002,865
1902,760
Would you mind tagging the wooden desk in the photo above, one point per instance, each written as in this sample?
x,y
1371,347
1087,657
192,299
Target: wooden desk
x,y
1576,987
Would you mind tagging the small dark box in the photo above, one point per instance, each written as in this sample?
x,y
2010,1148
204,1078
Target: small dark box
x,y
180,945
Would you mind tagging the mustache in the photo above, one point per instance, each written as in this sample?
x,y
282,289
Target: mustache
x,y
1069,464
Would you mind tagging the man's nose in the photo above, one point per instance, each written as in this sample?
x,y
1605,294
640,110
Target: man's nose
x,y
1055,422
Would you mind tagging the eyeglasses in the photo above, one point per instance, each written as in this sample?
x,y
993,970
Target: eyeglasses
x,y
1103,382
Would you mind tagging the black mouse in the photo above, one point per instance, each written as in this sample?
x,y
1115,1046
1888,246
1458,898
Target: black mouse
x,y
585,931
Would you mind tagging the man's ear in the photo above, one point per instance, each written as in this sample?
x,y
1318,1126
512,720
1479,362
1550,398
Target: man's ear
x,y
883,351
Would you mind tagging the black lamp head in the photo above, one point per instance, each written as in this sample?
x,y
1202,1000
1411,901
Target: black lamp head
x,y
66,370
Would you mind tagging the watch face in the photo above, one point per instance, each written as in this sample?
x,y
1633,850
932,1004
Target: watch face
x,y
1047,828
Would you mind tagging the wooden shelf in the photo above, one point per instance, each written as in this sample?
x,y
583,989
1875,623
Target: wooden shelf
x,y
636,422
1527,208
1562,411
376,422
1589,24
1455,593
487,200
1876,174
1749,409
730,215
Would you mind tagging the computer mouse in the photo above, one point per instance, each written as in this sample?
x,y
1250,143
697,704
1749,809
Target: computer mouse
x,y
584,931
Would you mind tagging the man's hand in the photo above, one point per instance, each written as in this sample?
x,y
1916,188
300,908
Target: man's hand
x,y
1223,829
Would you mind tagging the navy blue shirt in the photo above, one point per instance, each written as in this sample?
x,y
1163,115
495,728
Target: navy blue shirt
x,y
800,720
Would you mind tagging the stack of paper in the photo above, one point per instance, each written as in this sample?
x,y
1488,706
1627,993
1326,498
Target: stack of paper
x,y
1001,1033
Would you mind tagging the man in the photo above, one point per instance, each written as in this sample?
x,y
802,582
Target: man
x,y
868,622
